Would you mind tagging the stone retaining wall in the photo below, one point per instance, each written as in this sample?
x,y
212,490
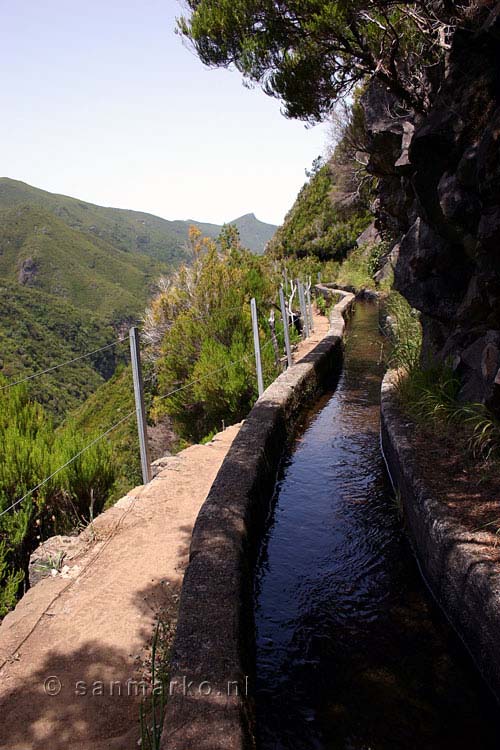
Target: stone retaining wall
x,y
211,706
456,563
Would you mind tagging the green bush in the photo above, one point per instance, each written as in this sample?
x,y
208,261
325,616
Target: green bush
x,y
316,226
205,350
356,270
405,333
30,451
429,392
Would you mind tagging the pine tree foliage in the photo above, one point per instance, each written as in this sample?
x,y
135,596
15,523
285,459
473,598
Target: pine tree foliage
x,y
30,451
310,53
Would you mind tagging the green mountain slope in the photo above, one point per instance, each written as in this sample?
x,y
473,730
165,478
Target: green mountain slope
x,y
130,231
319,224
254,234
38,331
62,294
72,277
38,250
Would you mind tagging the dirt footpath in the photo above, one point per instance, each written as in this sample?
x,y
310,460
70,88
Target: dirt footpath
x,y
73,650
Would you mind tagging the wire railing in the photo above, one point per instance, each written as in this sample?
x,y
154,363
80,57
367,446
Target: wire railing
x,y
38,374
66,464
117,424
258,348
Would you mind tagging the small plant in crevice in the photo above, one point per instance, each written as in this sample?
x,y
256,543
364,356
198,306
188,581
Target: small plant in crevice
x,y
52,563
396,501
152,708
321,305
376,254
484,430
405,333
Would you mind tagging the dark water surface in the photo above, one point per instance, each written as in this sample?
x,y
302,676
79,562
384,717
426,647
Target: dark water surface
x,y
352,653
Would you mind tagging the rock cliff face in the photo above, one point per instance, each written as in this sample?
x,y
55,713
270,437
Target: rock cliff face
x,y
439,201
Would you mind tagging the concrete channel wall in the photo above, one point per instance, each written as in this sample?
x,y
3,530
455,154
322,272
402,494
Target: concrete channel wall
x,y
456,563
211,683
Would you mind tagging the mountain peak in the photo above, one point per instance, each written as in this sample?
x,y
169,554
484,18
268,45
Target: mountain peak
x,y
254,234
132,231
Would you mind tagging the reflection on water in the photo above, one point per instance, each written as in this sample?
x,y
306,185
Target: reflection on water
x,y
351,652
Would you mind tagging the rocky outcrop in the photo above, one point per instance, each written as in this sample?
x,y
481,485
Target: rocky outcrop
x,y
371,236
28,271
439,202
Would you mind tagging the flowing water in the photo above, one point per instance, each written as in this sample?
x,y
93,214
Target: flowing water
x,y
352,653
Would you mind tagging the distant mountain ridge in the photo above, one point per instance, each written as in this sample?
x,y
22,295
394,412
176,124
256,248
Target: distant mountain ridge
x,y
74,276
39,250
127,230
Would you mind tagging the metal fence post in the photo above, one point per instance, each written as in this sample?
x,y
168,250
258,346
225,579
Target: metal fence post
x,y
256,344
309,306
284,317
140,409
303,308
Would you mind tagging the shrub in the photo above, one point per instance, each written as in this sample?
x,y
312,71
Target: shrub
x,y
405,333
430,392
31,451
200,329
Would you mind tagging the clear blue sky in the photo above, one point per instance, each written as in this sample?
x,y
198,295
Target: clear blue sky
x,y
101,100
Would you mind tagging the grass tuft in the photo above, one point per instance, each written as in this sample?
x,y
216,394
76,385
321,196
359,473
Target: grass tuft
x,y
430,394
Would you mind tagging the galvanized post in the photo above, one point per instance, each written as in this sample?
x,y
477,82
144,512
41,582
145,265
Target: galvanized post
x,y
285,276
140,409
319,277
309,307
303,308
299,295
256,344
284,317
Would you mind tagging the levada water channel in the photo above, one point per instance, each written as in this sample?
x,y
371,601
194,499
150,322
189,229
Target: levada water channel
x,y
352,653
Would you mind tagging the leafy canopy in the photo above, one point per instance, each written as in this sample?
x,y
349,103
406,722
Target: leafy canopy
x,y
309,53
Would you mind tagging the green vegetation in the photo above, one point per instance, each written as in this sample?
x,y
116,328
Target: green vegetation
x,y
201,323
429,392
405,332
311,54
322,306
38,250
30,451
316,226
37,331
359,267
332,209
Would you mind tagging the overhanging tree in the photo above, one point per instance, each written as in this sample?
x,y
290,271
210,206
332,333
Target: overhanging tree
x,y
309,53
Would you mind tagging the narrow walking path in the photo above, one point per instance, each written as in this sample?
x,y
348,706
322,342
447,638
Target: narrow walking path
x,y
86,636
96,628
